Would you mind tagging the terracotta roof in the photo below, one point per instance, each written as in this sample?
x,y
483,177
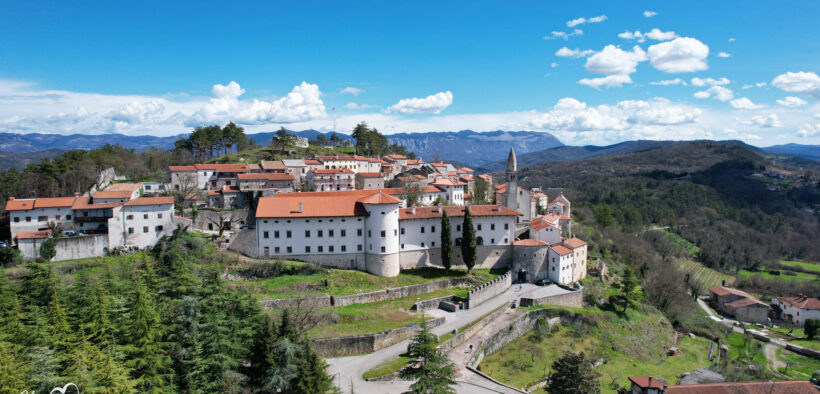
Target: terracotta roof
x,y
87,203
467,169
19,205
33,234
267,176
438,164
150,201
476,210
467,178
254,167
223,167
487,177
561,250
395,157
557,203
414,162
539,195
182,168
214,192
314,204
777,387
645,383
371,174
564,217
545,221
124,187
530,242
379,199
746,301
400,190
273,165
113,194
312,162
722,291
573,243
230,189
448,182
54,202
802,302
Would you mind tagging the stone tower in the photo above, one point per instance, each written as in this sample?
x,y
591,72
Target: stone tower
x,y
511,197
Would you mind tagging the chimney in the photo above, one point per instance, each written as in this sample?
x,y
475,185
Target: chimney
x,y
300,207
76,194
439,208
650,384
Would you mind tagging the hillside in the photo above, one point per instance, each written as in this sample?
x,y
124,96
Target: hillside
x,y
796,150
35,142
20,160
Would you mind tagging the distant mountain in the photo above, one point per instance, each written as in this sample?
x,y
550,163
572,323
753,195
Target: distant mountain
x,y
265,138
795,150
568,153
20,160
19,143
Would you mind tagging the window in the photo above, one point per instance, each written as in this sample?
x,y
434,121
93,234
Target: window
x,y
492,241
57,217
359,232
265,234
553,268
344,232
287,234
330,233
42,218
130,230
344,248
321,249
506,240
432,229
16,220
290,249
383,249
369,234
479,227
402,231
276,250
307,233
267,250
395,232
458,241
159,216
330,248
492,226
458,227
275,234
506,226
359,248
67,217
319,233
85,213
130,217
145,229
402,246
422,244
307,249
384,233
422,229
433,244
145,216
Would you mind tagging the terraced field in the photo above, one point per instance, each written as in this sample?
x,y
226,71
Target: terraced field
x,y
707,277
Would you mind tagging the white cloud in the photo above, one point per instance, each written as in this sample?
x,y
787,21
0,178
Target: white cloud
x,y
807,83
352,90
654,34
581,21
718,92
357,106
668,82
732,39
564,35
809,129
553,64
609,81
792,101
613,60
683,54
434,103
766,121
710,81
649,14
756,85
575,53
724,54
745,103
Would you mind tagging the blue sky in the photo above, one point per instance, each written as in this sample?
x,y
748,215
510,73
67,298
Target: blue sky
x,y
159,68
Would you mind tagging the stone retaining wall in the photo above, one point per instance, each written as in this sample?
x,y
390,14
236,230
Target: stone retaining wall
x,y
399,292
468,333
358,344
296,302
489,290
574,299
431,304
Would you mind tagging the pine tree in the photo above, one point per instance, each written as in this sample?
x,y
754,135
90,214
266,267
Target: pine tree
x,y
446,242
38,284
187,345
261,350
468,242
630,292
216,355
312,374
286,327
572,374
44,372
433,371
112,375
285,365
13,366
149,364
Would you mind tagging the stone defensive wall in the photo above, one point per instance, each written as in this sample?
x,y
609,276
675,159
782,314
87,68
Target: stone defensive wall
x,y
488,256
574,299
488,290
468,333
368,343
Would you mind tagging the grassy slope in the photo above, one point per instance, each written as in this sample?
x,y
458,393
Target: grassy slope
x,y
707,277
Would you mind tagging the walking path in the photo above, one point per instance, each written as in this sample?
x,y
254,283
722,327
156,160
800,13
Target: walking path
x,y
349,370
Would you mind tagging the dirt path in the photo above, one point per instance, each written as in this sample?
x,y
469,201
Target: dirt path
x,y
771,354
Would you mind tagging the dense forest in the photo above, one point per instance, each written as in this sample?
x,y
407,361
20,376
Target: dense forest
x,y
156,321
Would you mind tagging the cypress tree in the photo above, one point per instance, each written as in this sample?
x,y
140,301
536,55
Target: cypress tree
x,y
468,246
433,371
446,242
38,284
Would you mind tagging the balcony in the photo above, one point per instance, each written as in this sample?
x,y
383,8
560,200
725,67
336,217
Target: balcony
x,y
91,219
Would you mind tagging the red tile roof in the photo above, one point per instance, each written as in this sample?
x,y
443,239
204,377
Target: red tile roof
x,y
312,162
802,302
113,194
530,242
476,210
740,303
573,243
150,201
182,168
438,164
336,157
33,234
267,176
722,291
314,204
87,203
54,202
19,205
124,187
777,387
448,182
561,250
645,383
379,199
467,169
273,165
370,174
223,167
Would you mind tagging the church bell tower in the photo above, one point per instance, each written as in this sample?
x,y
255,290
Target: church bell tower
x,y
511,197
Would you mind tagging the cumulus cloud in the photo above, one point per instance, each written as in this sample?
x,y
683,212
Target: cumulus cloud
x,y
806,83
352,90
810,129
649,14
135,112
615,61
745,103
683,54
434,103
564,35
755,85
575,53
724,54
654,34
668,82
792,101
357,106
718,92
710,81
553,64
732,39
766,121
302,103
581,21
609,81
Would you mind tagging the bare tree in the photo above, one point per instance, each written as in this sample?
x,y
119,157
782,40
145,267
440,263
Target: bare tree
x,y
222,219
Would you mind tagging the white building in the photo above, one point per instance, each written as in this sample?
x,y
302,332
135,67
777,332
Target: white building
x,y
208,176
334,162
798,309
367,230
453,190
331,180
369,181
265,181
560,264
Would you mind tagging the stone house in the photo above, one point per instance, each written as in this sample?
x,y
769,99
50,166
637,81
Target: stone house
x,y
739,304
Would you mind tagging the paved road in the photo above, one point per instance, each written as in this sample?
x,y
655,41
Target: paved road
x,y
349,370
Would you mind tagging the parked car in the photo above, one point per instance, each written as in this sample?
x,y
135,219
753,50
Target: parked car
x,y
251,227
70,233
3,244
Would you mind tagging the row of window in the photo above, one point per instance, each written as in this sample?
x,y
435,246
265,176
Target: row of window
x,y
145,229
41,218
319,249
144,216
458,228
479,241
